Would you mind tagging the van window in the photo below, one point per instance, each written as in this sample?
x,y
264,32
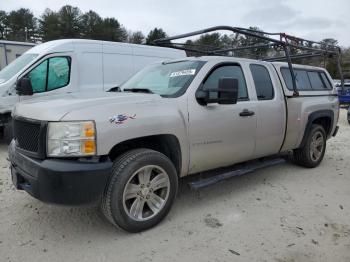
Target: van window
x,y
58,75
38,77
15,66
234,71
51,74
262,81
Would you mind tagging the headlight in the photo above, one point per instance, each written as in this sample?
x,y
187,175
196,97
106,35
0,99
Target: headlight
x,y
70,139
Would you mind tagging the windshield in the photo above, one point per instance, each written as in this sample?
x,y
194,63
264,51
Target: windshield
x,y
166,79
13,68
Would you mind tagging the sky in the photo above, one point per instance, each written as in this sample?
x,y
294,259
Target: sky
x,y
310,19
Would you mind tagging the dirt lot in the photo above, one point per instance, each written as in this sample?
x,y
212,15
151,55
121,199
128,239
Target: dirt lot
x,y
282,213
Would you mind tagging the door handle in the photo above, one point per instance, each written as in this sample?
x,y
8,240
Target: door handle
x,y
246,112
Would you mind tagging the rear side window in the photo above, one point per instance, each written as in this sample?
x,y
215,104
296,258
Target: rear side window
x,y
301,78
306,79
262,82
326,80
234,71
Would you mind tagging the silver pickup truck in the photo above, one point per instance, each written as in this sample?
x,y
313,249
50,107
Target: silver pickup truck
x,y
128,149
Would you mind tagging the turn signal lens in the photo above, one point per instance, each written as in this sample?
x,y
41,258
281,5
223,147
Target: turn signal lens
x,y
88,147
89,129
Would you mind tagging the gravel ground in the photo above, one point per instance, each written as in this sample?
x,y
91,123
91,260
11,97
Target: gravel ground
x,y
282,213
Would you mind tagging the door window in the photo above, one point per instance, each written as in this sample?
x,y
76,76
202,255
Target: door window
x,y
234,71
262,81
51,74
38,77
58,75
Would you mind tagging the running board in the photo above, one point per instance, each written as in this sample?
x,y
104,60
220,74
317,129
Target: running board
x,y
249,168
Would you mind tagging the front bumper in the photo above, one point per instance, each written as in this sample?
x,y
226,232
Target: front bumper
x,y
69,182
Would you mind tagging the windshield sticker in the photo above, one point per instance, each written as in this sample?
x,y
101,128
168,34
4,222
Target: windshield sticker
x,y
121,119
187,72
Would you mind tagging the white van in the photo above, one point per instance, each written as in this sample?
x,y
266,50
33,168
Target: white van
x,y
72,65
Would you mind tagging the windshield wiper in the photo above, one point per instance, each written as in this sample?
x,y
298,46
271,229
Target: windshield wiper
x,y
138,90
115,89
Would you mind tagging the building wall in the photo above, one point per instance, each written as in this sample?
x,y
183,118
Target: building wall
x,y
13,50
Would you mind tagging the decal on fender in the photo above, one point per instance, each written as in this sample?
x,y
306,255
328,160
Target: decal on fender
x,y
121,118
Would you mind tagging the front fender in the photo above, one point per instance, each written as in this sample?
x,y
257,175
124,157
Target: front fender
x,y
118,123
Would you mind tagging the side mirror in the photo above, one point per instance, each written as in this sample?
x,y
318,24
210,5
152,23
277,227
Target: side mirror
x,y
225,94
24,87
228,90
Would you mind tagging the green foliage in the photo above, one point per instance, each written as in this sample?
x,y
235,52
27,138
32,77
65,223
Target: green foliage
x,y
21,25
70,25
156,33
92,27
49,25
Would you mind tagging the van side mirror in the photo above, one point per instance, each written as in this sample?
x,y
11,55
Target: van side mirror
x,y
24,87
225,94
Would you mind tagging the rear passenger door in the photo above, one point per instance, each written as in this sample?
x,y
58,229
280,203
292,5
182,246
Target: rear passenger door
x,y
270,110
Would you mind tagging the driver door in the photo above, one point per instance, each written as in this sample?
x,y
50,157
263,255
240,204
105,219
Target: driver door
x,y
221,135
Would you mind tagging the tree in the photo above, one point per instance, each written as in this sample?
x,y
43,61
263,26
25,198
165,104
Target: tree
x,y
22,25
154,34
253,41
70,22
210,41
112,31
92,26
331,63
49,25
3,24
136,37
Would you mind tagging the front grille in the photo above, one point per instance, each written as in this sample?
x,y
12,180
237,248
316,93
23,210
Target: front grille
x,y
27,134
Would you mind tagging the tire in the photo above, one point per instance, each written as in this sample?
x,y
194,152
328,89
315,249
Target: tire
x,y
312,153
8,133
119,205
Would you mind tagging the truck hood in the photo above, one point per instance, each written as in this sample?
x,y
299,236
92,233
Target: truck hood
x,y
54,108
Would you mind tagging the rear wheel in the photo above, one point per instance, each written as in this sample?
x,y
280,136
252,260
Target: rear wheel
x,y
312,153
141,191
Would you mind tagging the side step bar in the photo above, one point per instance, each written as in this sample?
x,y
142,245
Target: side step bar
x,y
238,171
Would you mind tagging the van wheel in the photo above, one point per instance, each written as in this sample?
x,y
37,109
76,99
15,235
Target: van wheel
x,y
141,190
8,133
312,153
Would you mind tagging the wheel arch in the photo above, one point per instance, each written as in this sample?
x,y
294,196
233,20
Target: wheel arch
x,y
166,144
325,118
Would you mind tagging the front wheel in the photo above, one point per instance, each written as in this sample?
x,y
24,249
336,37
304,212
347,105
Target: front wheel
x,y
312,153
141,190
